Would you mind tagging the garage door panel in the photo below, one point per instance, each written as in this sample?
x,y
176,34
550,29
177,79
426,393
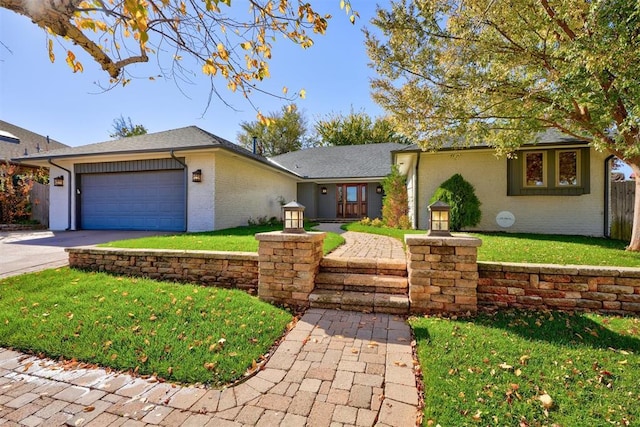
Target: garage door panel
x,y
152,200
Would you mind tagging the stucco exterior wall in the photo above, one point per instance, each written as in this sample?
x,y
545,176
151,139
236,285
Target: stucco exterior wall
x,y
201,209
246,189
374,201
307,196
579,215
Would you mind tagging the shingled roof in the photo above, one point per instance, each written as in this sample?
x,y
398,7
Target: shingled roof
x,y
15,141
549,137
186,138
347,161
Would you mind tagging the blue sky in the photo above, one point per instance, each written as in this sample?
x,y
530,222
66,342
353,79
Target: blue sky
x,y
49,99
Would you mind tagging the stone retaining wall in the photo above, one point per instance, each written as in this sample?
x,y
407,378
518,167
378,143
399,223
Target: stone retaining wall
x,y
224,269
289,263
536,286
443,273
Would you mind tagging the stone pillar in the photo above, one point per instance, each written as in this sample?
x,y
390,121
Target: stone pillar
x,y
443,273
288,265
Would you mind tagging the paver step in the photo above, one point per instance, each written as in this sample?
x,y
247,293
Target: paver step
x,y
378,266
362,283
368,302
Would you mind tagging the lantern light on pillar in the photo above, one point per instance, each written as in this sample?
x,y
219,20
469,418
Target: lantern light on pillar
x,y
293,214
196,175
439,219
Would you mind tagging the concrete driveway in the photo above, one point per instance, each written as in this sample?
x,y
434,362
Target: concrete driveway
x,y
28,251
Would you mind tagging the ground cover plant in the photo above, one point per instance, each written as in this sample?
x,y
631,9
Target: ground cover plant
x,y
182,333
518,368
238,239
535,248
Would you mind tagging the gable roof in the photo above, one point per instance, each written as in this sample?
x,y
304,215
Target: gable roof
x,y
550,136
186,138
346,161
14,141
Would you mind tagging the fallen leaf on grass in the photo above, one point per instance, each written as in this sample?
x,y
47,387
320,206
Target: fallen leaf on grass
x,y
505,366
546,400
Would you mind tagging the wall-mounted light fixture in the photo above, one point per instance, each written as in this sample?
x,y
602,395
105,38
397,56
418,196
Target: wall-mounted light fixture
x,y
439,214
323,190
379,189
293,213
196,176
58,181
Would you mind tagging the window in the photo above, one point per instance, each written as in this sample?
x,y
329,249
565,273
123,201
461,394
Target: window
x,y
535,168
549,172
568,165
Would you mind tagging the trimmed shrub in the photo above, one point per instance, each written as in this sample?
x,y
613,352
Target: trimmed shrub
x,y
461,196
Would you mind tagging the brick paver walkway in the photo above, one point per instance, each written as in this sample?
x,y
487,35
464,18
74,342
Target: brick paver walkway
x,y
364,245
333,368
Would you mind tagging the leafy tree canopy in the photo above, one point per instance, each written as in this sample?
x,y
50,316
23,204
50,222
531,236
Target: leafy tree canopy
x,y
281,131
354,129
499,72
123,128
225,41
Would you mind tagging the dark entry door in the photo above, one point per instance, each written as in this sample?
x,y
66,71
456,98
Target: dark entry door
x,y
351,200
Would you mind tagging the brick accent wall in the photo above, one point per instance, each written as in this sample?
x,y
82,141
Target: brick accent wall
x,y
443,273
288,266
224,269
607,289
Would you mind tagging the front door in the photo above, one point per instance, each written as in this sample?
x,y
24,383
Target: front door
x,y
351,200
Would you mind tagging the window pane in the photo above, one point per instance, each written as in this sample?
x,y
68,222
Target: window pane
x,y
363,193
340,193
534,164
352,194
568,168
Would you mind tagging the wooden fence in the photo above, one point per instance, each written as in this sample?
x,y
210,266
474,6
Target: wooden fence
x,y
622,196
39,197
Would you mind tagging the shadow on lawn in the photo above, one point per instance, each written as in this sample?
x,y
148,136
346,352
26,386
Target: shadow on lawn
x,y
566,329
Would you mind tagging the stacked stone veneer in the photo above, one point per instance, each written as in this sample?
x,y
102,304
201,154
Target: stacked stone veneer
x,y
288,266
443,273
223,269
611,289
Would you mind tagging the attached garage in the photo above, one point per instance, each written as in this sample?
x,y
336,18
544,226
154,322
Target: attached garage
x,y
134,195
177,180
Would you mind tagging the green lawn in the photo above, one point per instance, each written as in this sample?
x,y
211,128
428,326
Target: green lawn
x,y
536,248
239,239
183,333
518,368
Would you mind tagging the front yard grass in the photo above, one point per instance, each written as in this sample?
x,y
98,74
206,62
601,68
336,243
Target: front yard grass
x,y
535,248
182,333
519,368
238,239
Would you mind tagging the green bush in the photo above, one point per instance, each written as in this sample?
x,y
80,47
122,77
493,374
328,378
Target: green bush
x,y
377,223
395,205
461,196
365,221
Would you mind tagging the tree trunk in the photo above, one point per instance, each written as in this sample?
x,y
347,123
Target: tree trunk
x,y
634,245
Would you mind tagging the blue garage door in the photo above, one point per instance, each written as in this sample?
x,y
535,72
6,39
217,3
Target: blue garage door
x,y
153,200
